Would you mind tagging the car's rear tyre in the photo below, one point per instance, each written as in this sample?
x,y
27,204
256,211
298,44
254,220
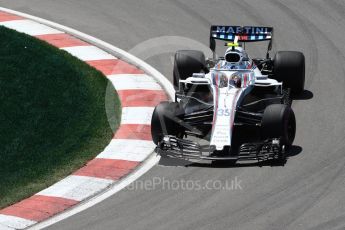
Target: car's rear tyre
x,y
289,68
165,121
186,63
279,121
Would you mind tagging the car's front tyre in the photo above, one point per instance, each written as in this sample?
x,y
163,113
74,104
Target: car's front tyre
x,y
165,121
279,121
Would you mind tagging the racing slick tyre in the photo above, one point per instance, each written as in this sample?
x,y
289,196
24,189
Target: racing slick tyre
x,y
279,121
289,68
186,63
165,121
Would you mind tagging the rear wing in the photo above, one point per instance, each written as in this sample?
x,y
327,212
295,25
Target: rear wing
x,y
240,34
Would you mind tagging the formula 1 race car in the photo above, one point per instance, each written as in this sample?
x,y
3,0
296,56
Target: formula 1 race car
x,y
233,107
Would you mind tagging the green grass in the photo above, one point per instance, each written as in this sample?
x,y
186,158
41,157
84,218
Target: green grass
x,y
52,115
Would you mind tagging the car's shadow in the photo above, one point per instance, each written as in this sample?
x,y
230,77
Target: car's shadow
x,y
305,95
167,161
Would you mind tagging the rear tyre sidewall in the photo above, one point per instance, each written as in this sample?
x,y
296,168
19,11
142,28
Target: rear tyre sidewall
x,y
289,68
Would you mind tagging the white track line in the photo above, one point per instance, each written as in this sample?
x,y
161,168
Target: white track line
x,y
30,27
131,150
12,222
88,53
133,81
3,227
137,115
76,187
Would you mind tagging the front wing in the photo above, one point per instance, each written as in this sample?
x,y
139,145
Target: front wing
x,y
186,149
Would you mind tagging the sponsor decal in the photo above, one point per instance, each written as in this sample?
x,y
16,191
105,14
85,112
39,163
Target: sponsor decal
x,y
242,30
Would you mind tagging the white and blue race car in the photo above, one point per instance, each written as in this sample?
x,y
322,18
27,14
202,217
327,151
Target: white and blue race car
x,y
232,107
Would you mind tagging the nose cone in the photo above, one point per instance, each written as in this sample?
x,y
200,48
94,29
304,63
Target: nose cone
x,y
225,100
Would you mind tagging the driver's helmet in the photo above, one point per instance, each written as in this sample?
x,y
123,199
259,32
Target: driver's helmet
x,y
234,57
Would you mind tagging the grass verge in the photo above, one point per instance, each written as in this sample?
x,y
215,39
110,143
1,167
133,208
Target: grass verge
x,y
52,115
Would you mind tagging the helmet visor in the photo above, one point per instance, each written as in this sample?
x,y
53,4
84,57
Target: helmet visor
x,y
232,57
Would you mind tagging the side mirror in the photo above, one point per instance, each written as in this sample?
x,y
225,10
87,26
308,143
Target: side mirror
x,y
212,44
210,63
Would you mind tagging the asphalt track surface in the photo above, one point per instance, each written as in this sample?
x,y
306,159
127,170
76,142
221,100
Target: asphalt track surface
x,y
308,193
